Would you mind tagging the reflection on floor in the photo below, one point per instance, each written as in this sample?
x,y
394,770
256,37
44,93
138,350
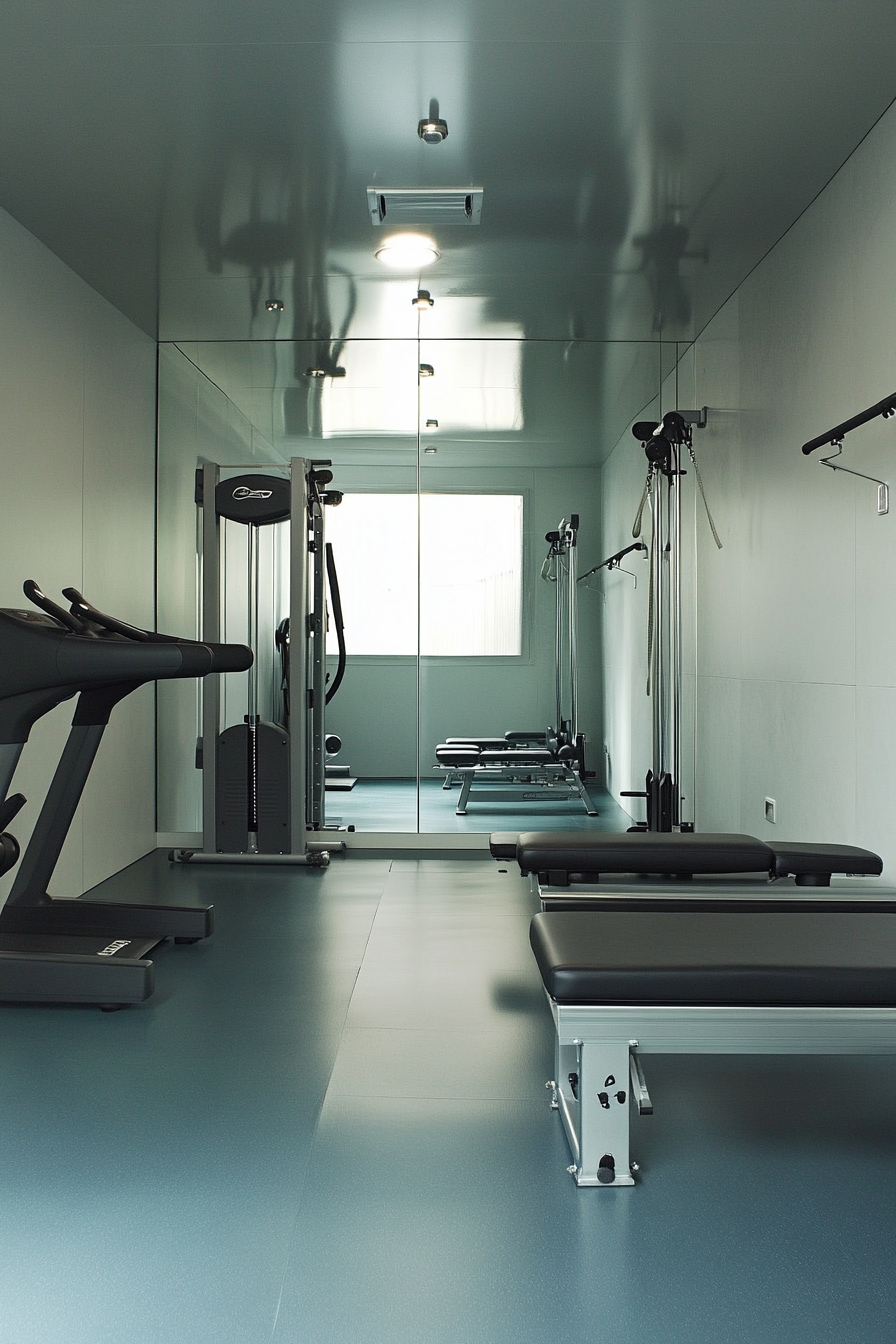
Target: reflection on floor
x,y
330,1127
391,805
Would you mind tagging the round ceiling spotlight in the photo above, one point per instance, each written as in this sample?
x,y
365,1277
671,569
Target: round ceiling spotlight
x,y
432,130
407,252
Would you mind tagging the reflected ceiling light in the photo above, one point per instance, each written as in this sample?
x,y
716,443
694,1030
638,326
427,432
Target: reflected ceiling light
x,y
407,252
432,130
423,300
274,305
426,370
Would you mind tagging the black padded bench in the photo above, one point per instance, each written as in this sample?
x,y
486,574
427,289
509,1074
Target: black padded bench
x,y
625,984
563,857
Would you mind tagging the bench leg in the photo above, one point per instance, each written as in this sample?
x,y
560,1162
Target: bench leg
x,y
583,794
593,1094
467,785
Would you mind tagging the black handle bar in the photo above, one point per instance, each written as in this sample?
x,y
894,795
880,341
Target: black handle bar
x,y
886,408
613,560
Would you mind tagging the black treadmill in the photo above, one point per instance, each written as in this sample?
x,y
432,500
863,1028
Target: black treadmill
x,y
80,951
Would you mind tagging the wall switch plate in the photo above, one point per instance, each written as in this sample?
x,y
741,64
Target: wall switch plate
x,y
770,810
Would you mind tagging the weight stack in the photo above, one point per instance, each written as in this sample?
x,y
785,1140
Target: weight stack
x,y
232,790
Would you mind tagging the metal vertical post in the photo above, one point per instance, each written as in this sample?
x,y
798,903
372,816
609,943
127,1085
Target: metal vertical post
x,y
675,629
655,672
298,625
572,620
558,642
211,631
676,647
318,659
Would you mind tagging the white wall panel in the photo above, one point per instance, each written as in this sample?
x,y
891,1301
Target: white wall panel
x,y
796,659
77,445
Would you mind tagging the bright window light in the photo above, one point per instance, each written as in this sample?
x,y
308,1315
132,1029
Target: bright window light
x,y
470,568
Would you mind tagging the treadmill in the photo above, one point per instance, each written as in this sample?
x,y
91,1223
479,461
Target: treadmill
x,y
78,951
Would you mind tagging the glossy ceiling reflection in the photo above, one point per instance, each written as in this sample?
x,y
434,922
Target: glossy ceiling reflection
x,y
637,157
496,401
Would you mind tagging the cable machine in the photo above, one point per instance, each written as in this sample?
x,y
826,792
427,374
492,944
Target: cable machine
x,y
263,784
560,568
665,445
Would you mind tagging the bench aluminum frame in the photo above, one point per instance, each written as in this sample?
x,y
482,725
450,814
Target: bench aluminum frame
x,y
545,782
600,1046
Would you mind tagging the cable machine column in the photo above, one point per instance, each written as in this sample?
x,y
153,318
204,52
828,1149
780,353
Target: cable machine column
x,y
573,624
317,654
298,624
675,630
210,627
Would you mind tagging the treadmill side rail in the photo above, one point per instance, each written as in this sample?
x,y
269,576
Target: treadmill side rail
x,y
48,977
107,918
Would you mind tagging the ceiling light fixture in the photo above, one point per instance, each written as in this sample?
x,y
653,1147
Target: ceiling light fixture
x,y
423,299
432,130
430,451
407,252
432,424
426,370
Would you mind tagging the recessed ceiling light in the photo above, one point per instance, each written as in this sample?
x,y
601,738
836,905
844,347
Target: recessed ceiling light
x,y
407,252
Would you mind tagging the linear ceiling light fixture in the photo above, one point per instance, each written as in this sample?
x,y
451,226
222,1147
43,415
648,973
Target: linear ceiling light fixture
x,y
407,252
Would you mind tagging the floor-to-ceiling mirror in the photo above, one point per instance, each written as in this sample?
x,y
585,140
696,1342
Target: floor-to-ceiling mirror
x,y
454,457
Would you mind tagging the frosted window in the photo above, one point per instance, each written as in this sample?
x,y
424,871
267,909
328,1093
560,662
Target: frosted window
x,y
470,568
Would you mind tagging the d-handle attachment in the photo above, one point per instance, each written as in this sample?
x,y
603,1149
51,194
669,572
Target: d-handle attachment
x,y
883,489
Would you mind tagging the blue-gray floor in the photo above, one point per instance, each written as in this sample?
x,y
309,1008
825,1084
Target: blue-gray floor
x,y
391,805
330,1127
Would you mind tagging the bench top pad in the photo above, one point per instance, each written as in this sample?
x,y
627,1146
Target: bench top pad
x,y
518,756
460,757
490,743
641,852
723,959
791,857
502,844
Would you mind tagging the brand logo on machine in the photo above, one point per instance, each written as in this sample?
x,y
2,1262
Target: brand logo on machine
x,y
243,492
114,947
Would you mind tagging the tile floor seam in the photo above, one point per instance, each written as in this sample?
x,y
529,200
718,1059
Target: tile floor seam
x,y
311,1146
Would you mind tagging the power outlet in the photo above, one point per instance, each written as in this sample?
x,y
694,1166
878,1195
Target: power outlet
x,y
771,808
